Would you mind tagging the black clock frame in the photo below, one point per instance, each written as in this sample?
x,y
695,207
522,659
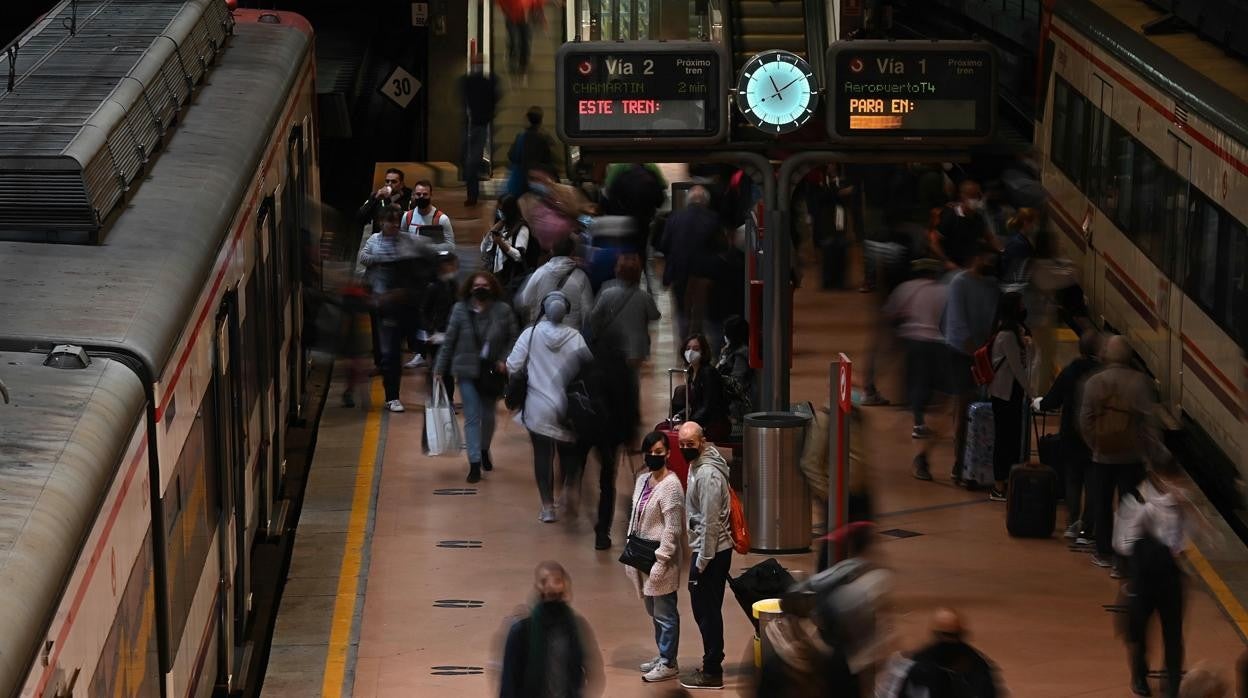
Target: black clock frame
x,y
740,98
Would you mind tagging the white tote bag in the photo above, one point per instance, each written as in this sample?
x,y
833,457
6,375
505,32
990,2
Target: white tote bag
x,y
442,435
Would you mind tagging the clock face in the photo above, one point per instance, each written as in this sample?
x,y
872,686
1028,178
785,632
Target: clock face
x,y
776,91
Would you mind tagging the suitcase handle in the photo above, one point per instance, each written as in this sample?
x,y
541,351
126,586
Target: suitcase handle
x,y
671,389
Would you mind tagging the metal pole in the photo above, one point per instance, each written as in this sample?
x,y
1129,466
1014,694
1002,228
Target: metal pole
x,y
840,386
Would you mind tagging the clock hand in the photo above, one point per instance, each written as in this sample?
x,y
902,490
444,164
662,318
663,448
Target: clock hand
x,y
773,84
792,81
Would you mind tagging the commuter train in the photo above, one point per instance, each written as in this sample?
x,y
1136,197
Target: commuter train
x,y
150,337
1145,153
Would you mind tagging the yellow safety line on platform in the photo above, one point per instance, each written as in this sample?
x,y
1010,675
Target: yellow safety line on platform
x,y
353,549
1225,598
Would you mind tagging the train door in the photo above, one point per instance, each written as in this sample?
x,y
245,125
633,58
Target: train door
x,y
230,475
262,304
292,235
1171,302
1102,184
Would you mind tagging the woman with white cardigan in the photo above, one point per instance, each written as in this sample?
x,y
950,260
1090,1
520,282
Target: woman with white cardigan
x,y
658,514
552,354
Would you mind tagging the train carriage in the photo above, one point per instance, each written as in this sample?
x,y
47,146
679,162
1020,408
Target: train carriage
x,y
179,297
1146,157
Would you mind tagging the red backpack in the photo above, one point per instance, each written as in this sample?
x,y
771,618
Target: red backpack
x,y
982,368
736,523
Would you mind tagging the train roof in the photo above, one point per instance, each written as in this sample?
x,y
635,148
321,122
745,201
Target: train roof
x,y
137,289
62,438
1202,77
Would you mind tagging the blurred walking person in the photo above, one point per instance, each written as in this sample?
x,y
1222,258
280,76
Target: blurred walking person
x,y
532,148
688,238
970,310
518,16
552,652
551,353
478,336
619,328
507,250
658,518
1157,520
944,667
480,94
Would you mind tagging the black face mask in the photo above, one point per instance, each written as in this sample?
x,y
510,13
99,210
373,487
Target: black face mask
x,y
655,462
482,294
690,454
420,202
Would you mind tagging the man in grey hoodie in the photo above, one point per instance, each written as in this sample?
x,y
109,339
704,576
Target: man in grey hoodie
x,y
707,504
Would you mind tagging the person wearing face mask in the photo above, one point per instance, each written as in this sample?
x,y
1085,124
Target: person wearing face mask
x,y
391,191
479,333
658,515
552,354
963,228
552,652
701,399
1011,359
707,510
424,215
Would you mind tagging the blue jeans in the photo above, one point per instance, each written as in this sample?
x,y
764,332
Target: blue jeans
x,y
479,415
474,147
666,617
390,334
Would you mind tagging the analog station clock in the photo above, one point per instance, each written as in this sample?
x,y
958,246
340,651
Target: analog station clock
x,y
776,91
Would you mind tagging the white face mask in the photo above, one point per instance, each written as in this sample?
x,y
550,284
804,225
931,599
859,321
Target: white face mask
x,y
449,276
692,356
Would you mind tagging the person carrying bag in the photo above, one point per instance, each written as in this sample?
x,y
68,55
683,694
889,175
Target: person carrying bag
x,y
442,436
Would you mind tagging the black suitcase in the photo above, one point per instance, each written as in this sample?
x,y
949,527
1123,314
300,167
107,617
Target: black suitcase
x,y
1031,506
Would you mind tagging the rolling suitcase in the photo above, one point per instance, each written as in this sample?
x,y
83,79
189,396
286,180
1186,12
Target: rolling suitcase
x,y
1031,505
977,454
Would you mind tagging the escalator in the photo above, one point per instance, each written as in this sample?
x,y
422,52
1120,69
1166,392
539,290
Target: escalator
x,y
758,25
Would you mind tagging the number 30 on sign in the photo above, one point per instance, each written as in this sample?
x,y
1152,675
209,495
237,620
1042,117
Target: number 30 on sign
x,y
401,87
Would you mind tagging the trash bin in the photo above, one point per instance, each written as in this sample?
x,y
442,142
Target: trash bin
x,y
765,611
777,499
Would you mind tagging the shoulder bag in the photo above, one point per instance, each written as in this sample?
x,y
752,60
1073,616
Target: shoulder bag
x,y
640,553
490,383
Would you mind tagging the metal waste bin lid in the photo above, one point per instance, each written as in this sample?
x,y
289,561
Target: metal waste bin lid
x,y
776,420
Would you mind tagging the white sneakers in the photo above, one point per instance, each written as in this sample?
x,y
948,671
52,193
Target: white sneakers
x,y
416,362
660,671
395,406
548,515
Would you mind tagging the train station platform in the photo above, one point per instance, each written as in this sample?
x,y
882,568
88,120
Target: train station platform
x,y
404,577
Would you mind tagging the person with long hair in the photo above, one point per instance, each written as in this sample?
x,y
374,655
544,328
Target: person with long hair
x,y
478,337
658,514
702,400
507,251
1011,362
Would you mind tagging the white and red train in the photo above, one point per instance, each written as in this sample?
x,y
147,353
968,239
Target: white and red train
x,y
1145,147
139,466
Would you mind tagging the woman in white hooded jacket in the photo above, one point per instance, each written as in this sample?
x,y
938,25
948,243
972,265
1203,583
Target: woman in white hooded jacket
x,y
658,514
553,354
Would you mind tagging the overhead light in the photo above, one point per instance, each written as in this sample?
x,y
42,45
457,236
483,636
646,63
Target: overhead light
x,y
67,356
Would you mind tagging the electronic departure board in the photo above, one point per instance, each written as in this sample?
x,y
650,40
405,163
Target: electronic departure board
x,y
619,93
911,91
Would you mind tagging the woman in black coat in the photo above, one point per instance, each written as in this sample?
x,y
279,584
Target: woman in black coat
x,y
702,399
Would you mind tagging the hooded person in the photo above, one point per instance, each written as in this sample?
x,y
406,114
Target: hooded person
x,y
552,353
707,507
560,273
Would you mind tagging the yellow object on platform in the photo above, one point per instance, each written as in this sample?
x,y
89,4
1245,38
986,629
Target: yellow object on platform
x,y
758,609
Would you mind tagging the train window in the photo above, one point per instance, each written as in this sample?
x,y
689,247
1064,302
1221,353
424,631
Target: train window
x,y
1118,194
1057,139
253,351
1099,169
1148,216
1202,254
1235,307
190,529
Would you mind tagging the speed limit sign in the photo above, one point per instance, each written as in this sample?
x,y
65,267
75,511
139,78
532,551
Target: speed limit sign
x,y
400,87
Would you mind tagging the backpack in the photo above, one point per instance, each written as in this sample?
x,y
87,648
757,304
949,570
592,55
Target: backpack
x,y
1112,430
736,523
983,370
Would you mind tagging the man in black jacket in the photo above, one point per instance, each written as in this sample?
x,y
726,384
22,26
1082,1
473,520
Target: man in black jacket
x,y
949,666
552,651
480,93
1073,451
392,191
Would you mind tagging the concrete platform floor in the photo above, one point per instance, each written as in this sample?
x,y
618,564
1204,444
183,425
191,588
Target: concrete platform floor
x,y
433,573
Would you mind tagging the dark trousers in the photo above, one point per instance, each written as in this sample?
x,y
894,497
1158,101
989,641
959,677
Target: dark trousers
x,y
607,456
925,363
374,323
390,330
1007,443
570,462
1156,587
963,389
474,147
1078,471
1124,477
518,45
706,596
